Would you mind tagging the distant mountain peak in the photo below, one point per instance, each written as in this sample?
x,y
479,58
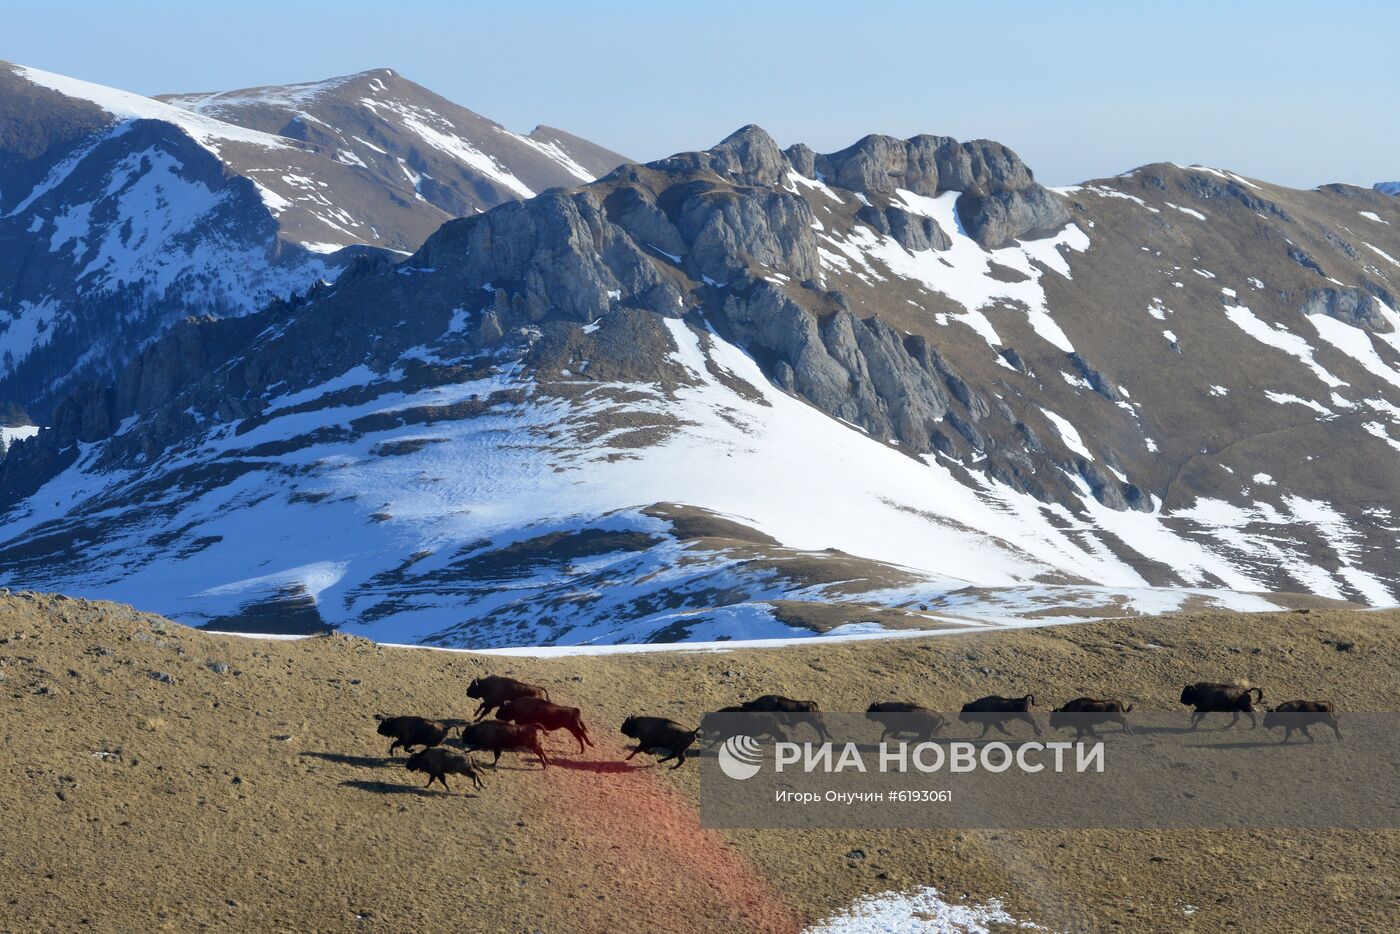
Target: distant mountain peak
x,y
287,95
124,105
431,149
121,213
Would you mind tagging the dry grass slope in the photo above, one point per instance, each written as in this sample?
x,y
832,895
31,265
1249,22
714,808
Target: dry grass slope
x,y
154,777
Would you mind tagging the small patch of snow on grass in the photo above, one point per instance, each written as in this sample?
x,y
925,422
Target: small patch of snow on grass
x,y
1105,192
1379,251
923,911
1068,434
1280,339
1196,214
1283,398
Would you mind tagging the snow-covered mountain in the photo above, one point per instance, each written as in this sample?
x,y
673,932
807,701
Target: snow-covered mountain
x,y
120,214
750,392
402,149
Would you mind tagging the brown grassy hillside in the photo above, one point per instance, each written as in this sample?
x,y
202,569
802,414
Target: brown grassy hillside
x,y
154,777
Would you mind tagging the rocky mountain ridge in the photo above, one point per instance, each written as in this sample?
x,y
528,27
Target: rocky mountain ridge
x,y
120,214
435,159
988,399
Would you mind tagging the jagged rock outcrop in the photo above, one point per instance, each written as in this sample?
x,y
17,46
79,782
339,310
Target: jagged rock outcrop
x,y
1000,198
910,231
1350,306
995,219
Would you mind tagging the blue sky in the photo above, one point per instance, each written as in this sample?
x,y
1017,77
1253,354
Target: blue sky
x,y
1292,92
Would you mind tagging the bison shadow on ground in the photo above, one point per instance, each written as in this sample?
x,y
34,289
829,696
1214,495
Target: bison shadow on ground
x,y
394,788
365,762
1186,730
1259,744
613,767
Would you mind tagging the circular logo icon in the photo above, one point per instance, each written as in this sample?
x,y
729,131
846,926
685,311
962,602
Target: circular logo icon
x,y
740,757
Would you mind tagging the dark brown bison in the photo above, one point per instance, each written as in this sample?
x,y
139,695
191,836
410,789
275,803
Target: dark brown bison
x,y
902,718
495,690
1085,713
549,717
496,737
754,723
995,710
656,735
1209,697
439,763
1299,715
790,712
412,731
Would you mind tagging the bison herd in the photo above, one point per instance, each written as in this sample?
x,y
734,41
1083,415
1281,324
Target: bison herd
x,y
524,713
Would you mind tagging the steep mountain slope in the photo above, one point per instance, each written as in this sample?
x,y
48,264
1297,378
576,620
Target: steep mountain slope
x,y
749,392
120,214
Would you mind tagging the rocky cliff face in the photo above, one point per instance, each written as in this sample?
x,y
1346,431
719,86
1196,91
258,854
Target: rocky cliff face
x,y
1002,399
717,223
121,214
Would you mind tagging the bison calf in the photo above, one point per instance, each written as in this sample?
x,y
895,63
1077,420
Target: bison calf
x,y
1299,715
496,737
900,717
412,731
549,717
439,763
1084,713
495,690
1210,697
657,735
994,711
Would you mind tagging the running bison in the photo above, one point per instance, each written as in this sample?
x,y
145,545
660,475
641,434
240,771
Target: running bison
x,y
1085,713
549,717
438,763
789,711
656,735
495,690
754,724
1209,697
1299,715
901,718
995,711
496,737
412,731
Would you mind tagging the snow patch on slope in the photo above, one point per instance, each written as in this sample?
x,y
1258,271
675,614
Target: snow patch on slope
x,y
9,435
963,272
1279,339
922,911
437,132
555,152
344,517
124,105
